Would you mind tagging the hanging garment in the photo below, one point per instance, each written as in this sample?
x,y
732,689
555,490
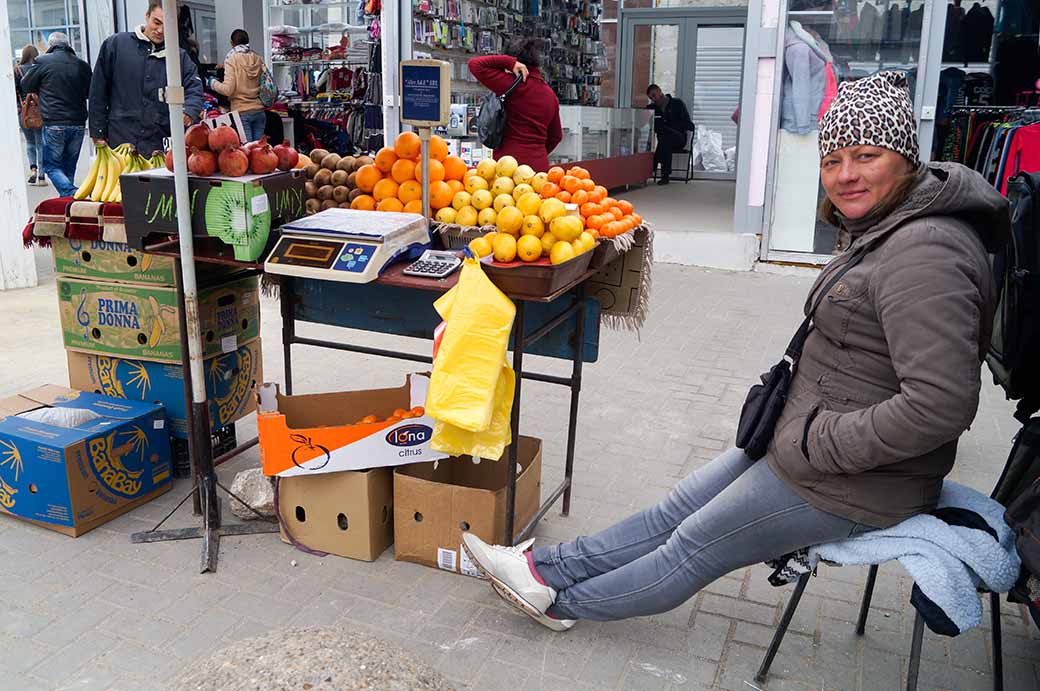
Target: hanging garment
x,y
952,50
976,33
1023,154
893,30
1017,68
804,81
868,31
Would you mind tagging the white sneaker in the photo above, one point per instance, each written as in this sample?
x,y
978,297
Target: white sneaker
x,y
510,574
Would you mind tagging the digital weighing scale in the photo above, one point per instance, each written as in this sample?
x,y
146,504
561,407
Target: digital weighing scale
x,y
347,245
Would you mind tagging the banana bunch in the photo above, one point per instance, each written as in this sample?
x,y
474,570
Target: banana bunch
x,y
102,183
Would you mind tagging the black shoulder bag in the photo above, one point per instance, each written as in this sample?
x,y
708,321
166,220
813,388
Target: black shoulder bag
x,y
491,116
765,401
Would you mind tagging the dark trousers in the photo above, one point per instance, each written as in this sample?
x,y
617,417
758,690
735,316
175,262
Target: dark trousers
x,y
668,142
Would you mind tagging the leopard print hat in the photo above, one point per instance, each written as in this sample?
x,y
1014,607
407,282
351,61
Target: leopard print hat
x,y
875,111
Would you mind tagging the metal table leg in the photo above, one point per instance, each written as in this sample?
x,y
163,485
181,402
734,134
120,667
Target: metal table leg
x,y
288,310
514,420
193,451
579,347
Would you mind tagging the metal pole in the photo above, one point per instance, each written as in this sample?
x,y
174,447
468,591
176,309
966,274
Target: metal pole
x,y
424,136
514,423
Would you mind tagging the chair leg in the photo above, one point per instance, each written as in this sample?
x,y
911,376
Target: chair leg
x,y
915,654
868,593
781,630
998,646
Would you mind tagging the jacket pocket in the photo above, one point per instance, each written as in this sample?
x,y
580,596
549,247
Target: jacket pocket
x,y
787,447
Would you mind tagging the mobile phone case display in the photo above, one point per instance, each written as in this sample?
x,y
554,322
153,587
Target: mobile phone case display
x,y
573,56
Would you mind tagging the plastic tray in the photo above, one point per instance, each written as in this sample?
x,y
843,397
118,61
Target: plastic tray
x,y
537,279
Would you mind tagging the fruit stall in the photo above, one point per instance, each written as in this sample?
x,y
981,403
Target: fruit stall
x,y
340,239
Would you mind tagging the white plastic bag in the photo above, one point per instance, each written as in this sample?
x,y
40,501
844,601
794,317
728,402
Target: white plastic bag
x,y
709,145
731,159
69,418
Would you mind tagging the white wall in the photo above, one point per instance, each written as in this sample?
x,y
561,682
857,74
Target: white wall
x,y
240,14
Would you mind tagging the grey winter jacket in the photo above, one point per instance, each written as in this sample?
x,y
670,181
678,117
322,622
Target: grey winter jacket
x,y
804,85
890,375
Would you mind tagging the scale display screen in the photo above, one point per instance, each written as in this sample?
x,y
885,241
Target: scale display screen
x,y
316,253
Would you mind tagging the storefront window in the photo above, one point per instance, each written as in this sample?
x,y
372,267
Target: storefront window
x,y
33,21
827,42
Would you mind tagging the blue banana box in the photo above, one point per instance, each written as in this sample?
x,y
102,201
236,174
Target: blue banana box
x,y
229,383
83,460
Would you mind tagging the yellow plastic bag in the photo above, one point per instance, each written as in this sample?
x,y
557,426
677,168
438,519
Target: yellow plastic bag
x,y
490,443
466,388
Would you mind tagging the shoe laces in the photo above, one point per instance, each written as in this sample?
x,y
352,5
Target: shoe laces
x,y
517,550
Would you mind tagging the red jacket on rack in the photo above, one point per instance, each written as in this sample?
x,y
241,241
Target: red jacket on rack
x,y
1023,154
532,111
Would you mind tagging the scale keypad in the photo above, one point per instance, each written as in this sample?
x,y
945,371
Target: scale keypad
x,y
354,258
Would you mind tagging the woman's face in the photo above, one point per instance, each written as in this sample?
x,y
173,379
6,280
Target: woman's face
x,y
858,178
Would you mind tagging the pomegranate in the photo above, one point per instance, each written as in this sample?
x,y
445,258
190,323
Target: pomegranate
x,y
287,156
222,137
263,159
169,160
233,162
197,136
202,163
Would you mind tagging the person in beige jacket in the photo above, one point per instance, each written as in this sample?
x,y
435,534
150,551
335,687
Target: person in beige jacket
x,y
887,383
242,70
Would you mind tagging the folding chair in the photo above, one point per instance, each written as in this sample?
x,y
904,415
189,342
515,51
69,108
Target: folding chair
x,y
678,156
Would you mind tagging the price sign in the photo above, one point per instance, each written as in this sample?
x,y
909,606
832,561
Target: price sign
x,y
425,93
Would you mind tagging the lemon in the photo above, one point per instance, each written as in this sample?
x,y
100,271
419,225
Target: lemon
x,y
551,209
466,216
487,217
461,199
475,183
566,228
523,174
490,237
538,180
561,252
505,167
504,248
532,226
587,241
529,248
480,247
487,169
503,186
502,201
522,189
482,199
548,240
509,220
529,203
446,215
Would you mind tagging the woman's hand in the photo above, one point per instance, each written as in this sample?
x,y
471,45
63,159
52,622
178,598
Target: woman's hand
x,y
520,70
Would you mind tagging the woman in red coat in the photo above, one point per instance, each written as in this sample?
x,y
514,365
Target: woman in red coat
x,y
532,109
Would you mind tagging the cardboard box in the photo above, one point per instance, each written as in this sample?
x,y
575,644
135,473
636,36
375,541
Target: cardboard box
x,y
434,506
317,433
140,322
73,479
229,383
111,261
239,211
350,514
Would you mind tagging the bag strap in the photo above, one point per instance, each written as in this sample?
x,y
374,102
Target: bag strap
x,y
794,349
510,89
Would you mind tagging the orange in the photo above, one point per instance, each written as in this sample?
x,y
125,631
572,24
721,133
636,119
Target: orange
x,y
436,171
418,411
609,202
455,186
385,189
403,169
408,145
579,197
440,195
588,184
590,209
555,174
616,212
413,207
625,206
549,189
364,203
564,197
390,204
438,149
595,222
409,191
385,159
529,248
579,173
597,195
570,183
367,177
638,219
454,168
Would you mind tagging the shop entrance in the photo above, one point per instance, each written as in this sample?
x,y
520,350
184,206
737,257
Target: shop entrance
x,y
696,55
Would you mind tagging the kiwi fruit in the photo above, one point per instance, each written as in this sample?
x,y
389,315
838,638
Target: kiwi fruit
x,y
323,177
330,162
318,156
354,194
311,189
344,205
325,193
311,170
328,204
340,194
363,161
313,206
339,177
352,180
346,163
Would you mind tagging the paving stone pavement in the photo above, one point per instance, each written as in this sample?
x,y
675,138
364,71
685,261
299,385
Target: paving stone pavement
x,y
100,613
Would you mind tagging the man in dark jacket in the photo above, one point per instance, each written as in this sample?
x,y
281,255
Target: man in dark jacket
x,y
124,94
62,81
671,123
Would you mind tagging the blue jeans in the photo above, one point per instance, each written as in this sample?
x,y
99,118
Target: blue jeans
x,y
61,146
731,513
33,150
254,123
